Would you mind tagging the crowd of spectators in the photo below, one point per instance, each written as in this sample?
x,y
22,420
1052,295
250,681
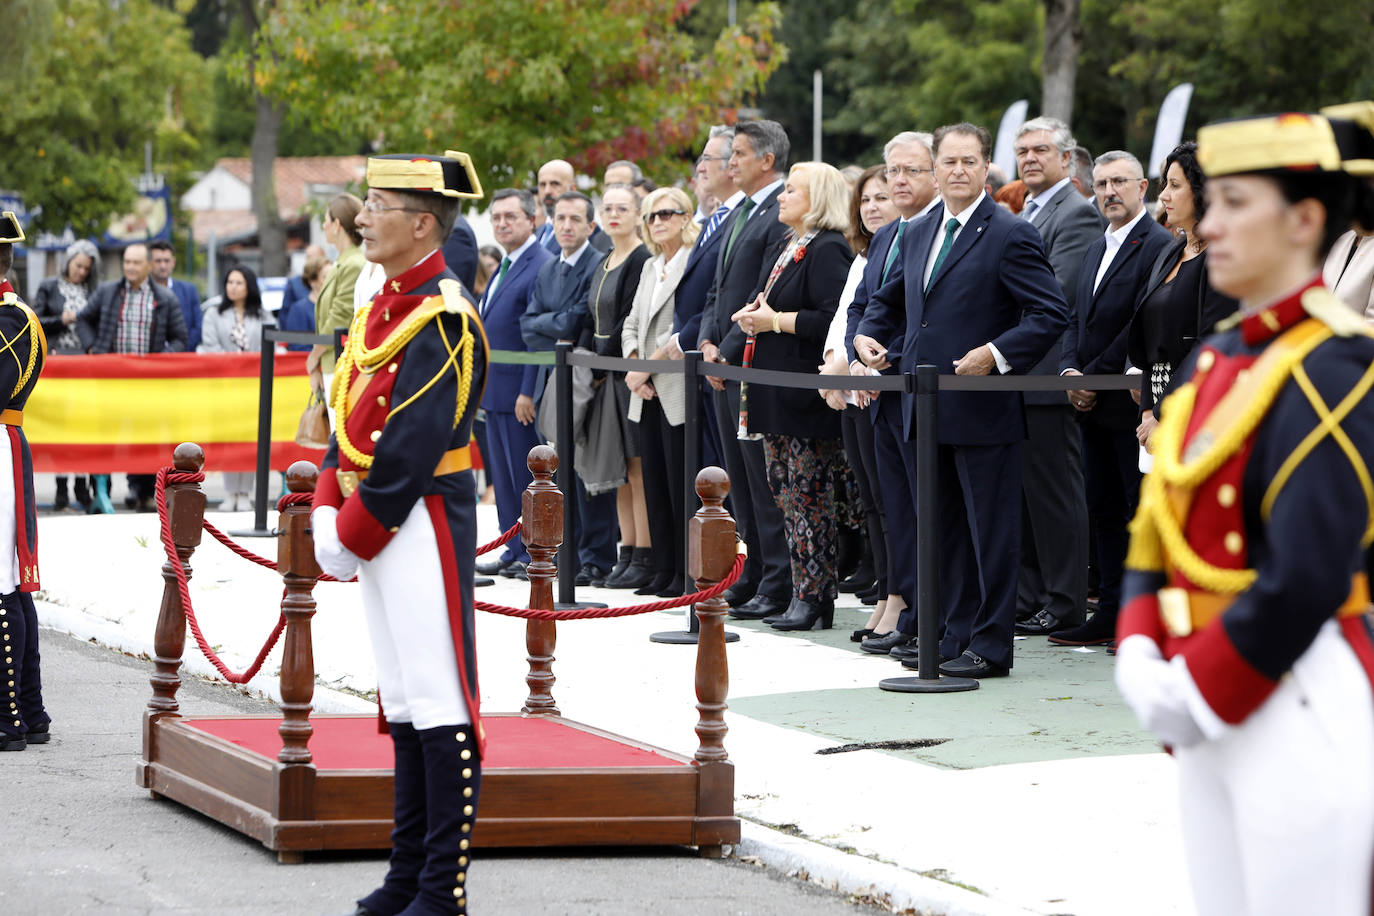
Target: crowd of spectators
x,y
757,262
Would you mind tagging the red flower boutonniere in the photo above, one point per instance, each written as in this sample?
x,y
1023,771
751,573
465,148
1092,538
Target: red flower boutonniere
x,y
798,255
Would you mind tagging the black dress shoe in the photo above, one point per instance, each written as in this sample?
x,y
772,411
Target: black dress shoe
x,y
759,607
914,663
13,743
657,584
1099,631
860,635
736,595
674,589
492,567
516,570
905,650
883,643
971,664
862,580
39,735
591,575
1042,623
807,615
483,581
870,592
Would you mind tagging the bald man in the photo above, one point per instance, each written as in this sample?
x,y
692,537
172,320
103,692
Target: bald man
x,y
556,177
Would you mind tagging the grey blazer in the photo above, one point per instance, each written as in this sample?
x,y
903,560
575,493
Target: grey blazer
x,y
648,327
1352,278
1067,224
214,336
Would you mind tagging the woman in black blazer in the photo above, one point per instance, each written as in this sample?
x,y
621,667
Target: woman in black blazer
x,y
786,326
1179,307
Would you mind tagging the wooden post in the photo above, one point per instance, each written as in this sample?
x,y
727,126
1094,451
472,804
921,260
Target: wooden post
x,y
712,550
185,514
296,563
542,531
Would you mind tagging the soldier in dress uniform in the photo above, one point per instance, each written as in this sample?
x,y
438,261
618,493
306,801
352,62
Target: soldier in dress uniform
x,y
1245,639
23,720
396,503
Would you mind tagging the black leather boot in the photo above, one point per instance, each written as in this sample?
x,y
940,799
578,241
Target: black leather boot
x,y
408,833
453,780
805,615
60,499
638,574
622,563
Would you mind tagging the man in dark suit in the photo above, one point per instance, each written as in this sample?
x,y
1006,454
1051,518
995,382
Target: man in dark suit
x,y
557,311
460,252
509,396
977,294
164,261
713,183
1054,534
911,185
1114,272
758,161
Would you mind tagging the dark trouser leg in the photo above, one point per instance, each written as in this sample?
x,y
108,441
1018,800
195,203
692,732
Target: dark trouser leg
x,y
658,489
895,463
741,501
1056,517
14,643
990,478
1113,486
859,432
510,443
453,783
31,696
408,835
772,536
596,528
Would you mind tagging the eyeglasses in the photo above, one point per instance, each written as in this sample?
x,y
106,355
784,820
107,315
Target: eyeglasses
x,y
911,171
375,206
701,159
1116,183
663,215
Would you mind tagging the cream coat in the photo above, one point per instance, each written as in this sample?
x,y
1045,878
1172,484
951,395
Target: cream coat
x,y
648,327
1355,286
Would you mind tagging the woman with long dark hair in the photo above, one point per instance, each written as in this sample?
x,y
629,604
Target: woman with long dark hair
x,y
235,326
1244,641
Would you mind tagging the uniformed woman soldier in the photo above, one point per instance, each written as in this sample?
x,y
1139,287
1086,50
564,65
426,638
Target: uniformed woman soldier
x,y
396,502
1245,640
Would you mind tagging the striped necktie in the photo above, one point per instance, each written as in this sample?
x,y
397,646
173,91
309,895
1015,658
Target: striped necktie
x,y
714,222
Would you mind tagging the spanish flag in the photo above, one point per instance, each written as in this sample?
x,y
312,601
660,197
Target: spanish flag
x,y
115,413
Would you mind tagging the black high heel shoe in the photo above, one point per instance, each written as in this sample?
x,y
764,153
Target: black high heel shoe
x,y
860,635
803,615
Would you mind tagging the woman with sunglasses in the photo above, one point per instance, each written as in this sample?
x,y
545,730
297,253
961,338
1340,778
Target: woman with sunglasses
x,y
1244,638
784,327
658,400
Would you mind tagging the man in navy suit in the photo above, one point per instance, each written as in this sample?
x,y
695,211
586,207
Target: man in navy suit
x,y
509,396
557,311
758,161
164,261
911,185
977,295
1115,270
460,252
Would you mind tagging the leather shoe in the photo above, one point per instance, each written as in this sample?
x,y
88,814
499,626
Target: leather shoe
x,y
1042,623
13,743
971,664
883,643
1099,631
483,581
860,635
807,615
736,596
759,607
514,570
39,735
914,663
492,567
905,650
591,575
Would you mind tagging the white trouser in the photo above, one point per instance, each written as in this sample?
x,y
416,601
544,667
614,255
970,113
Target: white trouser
x,y
1278,814
407,617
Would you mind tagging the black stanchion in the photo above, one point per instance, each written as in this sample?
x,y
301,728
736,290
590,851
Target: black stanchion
x,y
927,382
691,457
567,456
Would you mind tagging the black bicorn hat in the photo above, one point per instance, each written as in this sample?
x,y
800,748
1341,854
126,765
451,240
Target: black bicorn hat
x,y
449,175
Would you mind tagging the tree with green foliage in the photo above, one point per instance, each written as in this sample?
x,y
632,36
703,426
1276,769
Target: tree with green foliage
x,y
514,83
99,80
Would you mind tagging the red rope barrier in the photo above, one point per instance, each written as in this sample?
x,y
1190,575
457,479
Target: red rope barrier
x,y
163,476
598,613
500,541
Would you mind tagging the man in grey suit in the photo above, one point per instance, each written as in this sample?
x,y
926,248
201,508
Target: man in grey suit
x,y
1054,536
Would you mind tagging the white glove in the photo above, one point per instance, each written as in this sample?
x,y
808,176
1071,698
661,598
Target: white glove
x,y
334,558
1158,692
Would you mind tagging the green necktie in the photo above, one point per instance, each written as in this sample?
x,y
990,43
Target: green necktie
x,y
505,266
744,209
892,252
951,227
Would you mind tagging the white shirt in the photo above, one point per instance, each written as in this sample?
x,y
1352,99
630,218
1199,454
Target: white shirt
x,y
1115,239
963,216
572,259
760,196
1039,200
834,337
513,256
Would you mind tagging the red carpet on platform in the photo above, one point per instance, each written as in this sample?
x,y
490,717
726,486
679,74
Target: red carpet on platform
x,y
353,743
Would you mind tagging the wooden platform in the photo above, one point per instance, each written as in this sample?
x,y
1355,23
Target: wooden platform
x,y
298,783
547,781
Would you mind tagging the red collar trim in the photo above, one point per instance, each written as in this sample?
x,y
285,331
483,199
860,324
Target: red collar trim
x,y
1277,317
5,287
420,274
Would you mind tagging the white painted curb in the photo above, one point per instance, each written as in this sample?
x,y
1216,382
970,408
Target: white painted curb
x,y
896,888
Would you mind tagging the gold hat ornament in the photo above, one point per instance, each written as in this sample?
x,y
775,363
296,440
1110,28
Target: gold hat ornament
x,y
449,175
1340,139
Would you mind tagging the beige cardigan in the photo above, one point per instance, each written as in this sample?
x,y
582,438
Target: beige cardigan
x,y
648,327
1356,285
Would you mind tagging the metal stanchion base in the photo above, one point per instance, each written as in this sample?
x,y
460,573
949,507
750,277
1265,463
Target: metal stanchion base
x,y
685,637
254,533
941,684
575,605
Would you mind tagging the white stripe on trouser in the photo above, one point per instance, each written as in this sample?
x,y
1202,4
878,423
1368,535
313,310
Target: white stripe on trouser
x,y
9,557
407,617
1278,814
